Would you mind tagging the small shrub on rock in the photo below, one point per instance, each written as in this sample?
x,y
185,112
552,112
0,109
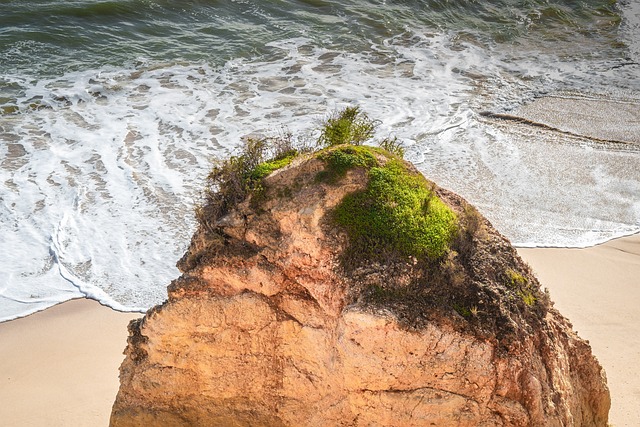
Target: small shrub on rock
x,y
349,126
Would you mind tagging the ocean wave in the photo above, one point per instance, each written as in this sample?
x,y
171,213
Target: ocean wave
x,y
101,165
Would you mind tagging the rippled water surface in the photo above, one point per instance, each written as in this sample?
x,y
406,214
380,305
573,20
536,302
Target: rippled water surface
x,y
111,111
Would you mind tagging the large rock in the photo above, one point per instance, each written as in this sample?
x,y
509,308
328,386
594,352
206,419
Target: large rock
x,y
269,326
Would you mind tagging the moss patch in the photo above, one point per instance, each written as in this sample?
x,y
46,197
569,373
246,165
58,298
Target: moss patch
x,y
264,169
523,289
516,280
462,310
527,297
397,211
340,159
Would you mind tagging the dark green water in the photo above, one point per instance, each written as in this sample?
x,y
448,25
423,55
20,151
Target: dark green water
x,y
53,37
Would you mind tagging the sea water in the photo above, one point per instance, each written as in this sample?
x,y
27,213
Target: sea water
x,y
111,113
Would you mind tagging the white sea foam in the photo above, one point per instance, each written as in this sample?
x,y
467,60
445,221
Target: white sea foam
x,y
97,187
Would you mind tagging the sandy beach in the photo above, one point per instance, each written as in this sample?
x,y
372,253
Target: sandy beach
x,y
598,289
60,367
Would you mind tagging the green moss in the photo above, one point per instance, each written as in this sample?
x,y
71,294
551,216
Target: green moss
x,y
522,287
527,297
339,160
462,310
397,211
515,279
264,169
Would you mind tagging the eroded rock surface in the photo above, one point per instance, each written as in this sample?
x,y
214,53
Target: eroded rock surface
x,y
267,327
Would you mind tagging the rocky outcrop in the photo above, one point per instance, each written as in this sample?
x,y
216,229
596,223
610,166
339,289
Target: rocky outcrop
x,y
271,324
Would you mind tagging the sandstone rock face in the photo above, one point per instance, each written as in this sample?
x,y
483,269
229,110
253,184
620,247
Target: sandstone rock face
x,y
265,328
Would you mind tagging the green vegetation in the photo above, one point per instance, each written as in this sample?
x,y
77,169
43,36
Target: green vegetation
x,y
353,127
397,211
527,297
264,169
406,250
393,146
233,180
349,126
516,280
462,310
466,312
523,289
342,158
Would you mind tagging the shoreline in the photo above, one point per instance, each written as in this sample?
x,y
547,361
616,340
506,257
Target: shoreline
x,y
141,312
60,365
623,236
28,314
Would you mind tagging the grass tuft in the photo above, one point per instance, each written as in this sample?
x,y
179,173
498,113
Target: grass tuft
x,y
527,297
231,181
349,126
523,289
393,146
515,279
462,310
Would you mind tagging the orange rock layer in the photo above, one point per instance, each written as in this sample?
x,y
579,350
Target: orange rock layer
x,y
264,328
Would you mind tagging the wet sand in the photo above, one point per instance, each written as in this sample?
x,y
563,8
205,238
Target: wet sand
x,y
594,117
